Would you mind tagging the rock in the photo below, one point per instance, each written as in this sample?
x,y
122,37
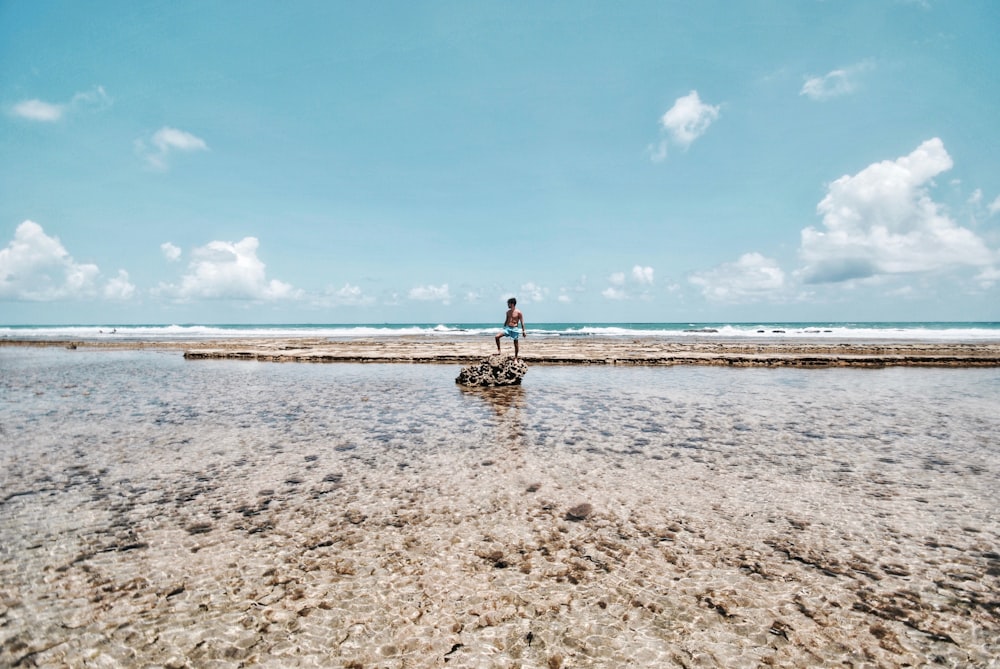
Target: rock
x,y
579,512
496,370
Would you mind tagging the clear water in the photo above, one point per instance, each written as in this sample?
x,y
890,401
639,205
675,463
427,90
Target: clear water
x,y
156,511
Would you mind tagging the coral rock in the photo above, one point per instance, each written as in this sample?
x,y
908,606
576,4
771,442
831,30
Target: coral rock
x,y
579,512
496,370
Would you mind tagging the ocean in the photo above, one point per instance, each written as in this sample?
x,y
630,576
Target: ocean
x,y
908,331
157,511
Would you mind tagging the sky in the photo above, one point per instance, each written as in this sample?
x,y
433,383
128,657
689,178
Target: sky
x,y
420,162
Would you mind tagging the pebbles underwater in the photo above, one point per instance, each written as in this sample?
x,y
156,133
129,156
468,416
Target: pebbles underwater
x,y
162,512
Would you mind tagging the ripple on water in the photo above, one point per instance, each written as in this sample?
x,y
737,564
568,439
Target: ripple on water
x,y
158,511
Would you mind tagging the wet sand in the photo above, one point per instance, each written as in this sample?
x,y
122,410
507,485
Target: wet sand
x,y
157,512
577,351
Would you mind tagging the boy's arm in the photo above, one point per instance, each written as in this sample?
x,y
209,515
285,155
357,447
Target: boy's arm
x,y
520,318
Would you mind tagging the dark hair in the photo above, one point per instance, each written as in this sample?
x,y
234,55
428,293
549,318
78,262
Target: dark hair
x,y
512,300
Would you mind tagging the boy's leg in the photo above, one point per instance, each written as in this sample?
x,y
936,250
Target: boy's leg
x,y
499,334
516,347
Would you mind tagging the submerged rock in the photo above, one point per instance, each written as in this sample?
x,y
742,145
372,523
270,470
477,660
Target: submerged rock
x,y
579,512
496,370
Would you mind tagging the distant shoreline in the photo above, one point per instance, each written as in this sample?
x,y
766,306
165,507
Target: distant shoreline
x,y
937,332
633,351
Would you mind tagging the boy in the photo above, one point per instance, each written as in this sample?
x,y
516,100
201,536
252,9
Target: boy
x,y
510,323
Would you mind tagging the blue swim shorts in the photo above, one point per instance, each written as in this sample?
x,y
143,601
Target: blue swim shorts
x,y
513,333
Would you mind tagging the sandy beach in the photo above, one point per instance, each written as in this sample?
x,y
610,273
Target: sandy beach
x,y
572,351
163,512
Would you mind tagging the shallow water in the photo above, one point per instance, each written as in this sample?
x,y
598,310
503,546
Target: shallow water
x,y
162,512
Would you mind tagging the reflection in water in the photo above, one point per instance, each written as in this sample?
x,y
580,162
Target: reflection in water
x,y
501,398
508,404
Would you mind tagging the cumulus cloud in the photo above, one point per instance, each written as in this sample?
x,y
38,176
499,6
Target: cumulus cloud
x,y
642,275
119,288
170,251
532,292
348,295
157,149
687,120
683,123
882,221
431,293
565,295
36,267
228,270
49,112
988,277
835,83
624,286
995,206
752,277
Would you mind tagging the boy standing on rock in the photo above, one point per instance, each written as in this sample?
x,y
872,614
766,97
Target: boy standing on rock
x,y
511,322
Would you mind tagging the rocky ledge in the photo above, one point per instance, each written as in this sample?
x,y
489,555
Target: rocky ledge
x,y
596,351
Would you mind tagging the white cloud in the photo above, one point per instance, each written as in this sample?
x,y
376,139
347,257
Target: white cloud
x,y
988,277
689,118
49,112
431,293
36,267
119,288
882,221
96,98
976,197
37,110
348,295
685,122
166,141
750,278
170,252
580,287
642,275
625,286
227,270
835,83
532,292
995,205
658,152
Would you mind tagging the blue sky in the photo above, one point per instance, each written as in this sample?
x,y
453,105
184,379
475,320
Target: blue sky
x,y
350,162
